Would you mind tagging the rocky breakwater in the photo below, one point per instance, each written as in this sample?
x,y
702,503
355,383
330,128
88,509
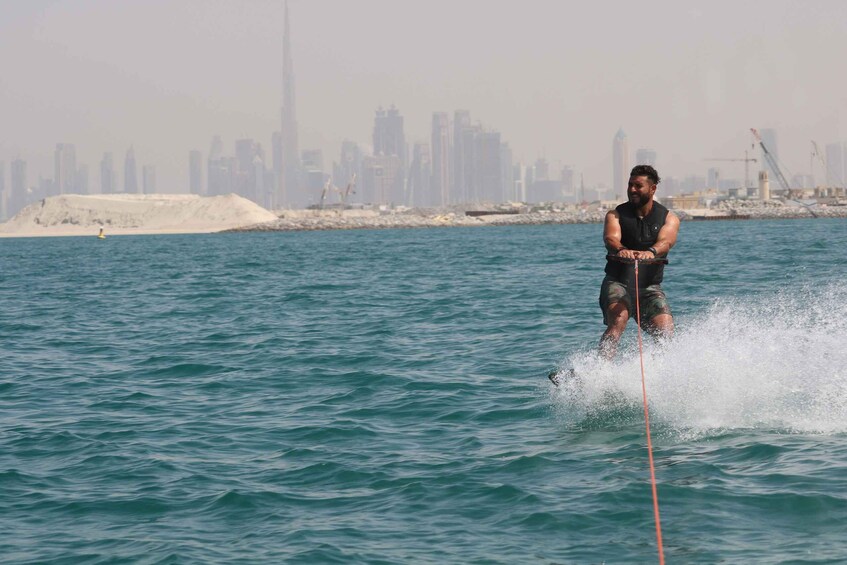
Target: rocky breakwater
x,y
309,220
778,209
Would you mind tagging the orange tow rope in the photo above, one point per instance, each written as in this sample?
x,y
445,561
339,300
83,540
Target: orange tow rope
x,y
647,424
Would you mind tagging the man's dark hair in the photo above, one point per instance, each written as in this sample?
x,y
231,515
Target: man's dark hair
x,y
646,171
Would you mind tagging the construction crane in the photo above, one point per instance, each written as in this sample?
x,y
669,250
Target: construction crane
x,y
747,160
772,162
327,187
350,186
342,194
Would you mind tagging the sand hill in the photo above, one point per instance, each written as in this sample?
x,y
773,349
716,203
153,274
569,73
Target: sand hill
x,y
75,214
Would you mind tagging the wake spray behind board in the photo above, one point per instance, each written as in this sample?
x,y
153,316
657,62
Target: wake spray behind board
x,y
558,378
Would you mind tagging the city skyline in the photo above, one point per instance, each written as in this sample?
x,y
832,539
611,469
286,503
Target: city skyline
x,y
235,113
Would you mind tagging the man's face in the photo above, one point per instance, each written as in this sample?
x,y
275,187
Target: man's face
x,y
640,190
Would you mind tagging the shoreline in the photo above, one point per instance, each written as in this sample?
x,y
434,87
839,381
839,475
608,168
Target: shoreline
x,y
324,220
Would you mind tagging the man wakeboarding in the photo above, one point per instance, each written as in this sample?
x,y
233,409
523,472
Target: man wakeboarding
x,y
639,229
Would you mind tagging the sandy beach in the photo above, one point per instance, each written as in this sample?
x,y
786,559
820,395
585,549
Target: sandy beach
x,y
133,214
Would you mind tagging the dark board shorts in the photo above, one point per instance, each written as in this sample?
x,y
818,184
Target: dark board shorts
x,y
652,299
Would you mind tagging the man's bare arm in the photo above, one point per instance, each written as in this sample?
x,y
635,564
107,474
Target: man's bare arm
x,y
667,235
612,232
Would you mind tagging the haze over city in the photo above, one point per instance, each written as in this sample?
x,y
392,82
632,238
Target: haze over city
x,y
555,79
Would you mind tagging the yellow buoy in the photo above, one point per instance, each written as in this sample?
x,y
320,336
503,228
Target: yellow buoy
x,y
101,235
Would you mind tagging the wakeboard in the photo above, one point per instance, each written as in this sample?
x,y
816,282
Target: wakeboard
x,y
558,377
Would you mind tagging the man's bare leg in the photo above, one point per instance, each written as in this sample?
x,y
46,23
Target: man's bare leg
x,y
661,327
617,315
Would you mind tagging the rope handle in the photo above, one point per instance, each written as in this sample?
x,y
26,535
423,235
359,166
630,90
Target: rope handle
x,y
654,261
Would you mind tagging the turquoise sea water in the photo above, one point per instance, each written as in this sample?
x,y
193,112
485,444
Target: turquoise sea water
x,y
380,397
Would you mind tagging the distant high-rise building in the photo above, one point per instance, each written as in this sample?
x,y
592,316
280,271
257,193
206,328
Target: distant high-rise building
x,y
568,180
276,162
468,158
542,169
130,173
148,179
312,170
769,139
713,178
221,170
461,123
420,176
620,162
313,159
388,137
507,178
645,157
693,183
440,148
18,197
519,180
107,175
289,192
488,171
195,172
246,179
834,165
264,194
389,140
382,179
65,168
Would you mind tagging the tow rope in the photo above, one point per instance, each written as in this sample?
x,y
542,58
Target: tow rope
x,y
647,424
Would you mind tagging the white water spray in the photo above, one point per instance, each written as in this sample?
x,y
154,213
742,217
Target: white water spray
x,y
774,362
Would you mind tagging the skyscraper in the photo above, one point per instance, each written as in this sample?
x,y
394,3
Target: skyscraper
x,y
18,193
130,173
461,122
440,148
195,172
506,173
713,178
107,175
65,168
488,171
289,186
246,180
220,172
382,179
620,163
390,141
313,177
568,180
388,136
420,176
645,157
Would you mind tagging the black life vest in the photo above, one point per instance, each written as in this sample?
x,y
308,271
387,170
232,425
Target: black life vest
x,y
638,234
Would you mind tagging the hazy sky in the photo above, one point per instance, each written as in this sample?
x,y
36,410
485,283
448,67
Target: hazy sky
x,y
555,78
